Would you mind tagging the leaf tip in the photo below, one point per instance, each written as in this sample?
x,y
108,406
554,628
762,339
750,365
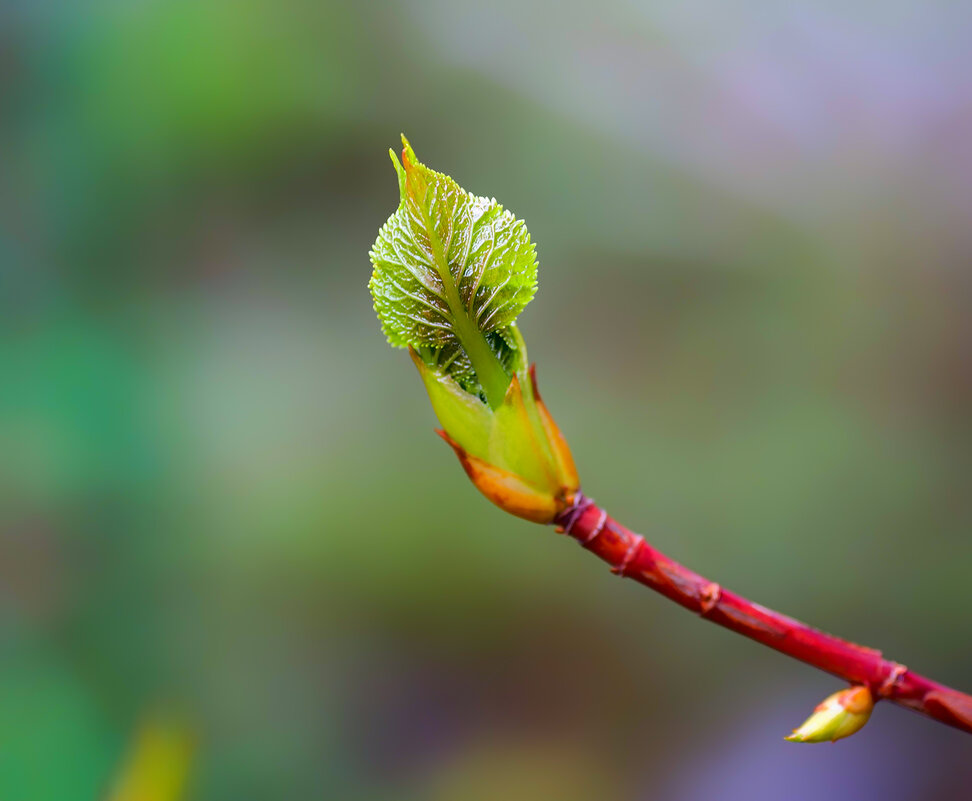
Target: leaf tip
x,y
398,170
408,154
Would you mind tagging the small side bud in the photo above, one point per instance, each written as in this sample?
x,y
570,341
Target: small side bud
x,y
837,716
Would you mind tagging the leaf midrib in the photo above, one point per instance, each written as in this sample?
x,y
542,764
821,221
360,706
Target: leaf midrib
x,y
492,377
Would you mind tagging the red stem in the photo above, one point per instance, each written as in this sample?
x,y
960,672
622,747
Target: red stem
x,y
629,555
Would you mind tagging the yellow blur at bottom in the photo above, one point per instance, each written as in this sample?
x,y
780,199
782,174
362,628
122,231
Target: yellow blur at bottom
x,y
157,765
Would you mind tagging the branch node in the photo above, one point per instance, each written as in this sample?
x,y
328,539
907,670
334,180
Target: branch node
x,y
569,517
636,544
597,528
888,685
709,597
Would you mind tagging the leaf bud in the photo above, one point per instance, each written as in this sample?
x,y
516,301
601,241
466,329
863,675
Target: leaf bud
x,y
837,716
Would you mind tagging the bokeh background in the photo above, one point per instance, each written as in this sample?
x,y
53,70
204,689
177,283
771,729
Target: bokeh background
x,y
221,501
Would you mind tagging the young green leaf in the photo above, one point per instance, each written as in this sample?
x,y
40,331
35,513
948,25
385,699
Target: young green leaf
x,y
451,273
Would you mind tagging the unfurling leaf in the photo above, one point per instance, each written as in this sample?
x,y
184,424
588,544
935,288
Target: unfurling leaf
x,y
451,273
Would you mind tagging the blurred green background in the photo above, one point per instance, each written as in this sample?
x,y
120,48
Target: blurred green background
x,y
220,494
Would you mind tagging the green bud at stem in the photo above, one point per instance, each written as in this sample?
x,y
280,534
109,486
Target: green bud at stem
x,y
837,716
